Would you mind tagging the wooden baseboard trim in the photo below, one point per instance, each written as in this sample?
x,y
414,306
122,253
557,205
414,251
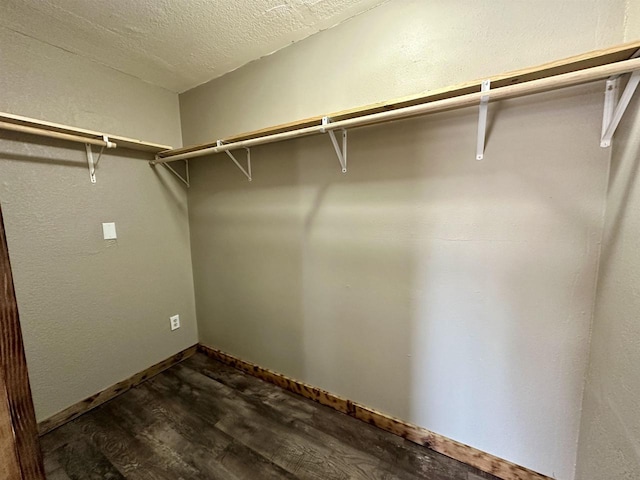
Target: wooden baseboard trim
x,y
464,453
113,391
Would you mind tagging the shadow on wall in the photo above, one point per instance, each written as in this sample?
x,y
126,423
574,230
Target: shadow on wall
x,y
41,147
53,152
452,293
625,166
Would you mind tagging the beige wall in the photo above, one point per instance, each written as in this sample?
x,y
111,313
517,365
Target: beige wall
x,y
452,293
92,312
632,21
609,444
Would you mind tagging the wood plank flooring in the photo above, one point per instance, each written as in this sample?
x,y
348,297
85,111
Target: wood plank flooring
x,y
204,420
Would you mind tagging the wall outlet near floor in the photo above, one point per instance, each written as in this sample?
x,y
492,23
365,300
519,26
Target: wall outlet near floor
x,y
175,322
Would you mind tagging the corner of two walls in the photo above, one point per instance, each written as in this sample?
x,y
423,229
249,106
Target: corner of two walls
x,y
455,294
93,312
610,426
609,443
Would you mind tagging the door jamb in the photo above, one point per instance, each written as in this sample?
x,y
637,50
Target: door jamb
x,y
19,438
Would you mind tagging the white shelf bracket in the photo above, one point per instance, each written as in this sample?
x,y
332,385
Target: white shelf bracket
x,y
613,112
94,164
482,119
610,98
340,152
184,179
247,173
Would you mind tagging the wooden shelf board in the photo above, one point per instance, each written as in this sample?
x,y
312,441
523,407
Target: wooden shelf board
x,y
122,142
570,64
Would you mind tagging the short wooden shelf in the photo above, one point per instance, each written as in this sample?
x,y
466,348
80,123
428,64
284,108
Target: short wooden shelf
x,y
43,125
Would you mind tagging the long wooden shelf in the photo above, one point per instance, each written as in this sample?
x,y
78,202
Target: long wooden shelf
x,y
568,65
571,64
122,142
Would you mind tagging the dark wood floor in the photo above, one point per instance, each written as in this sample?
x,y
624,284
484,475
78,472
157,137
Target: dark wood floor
x,y
203,420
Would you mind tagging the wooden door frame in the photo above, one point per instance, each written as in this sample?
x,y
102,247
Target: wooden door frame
x,y
20,455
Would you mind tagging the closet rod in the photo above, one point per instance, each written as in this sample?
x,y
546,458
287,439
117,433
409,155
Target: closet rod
x,y
51,134
521,89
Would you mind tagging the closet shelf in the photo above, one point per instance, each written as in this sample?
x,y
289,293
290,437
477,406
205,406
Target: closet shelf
x,y
588,67
608,64
43,128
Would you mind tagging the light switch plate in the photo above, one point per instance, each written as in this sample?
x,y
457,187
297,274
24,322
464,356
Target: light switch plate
x,y
109,231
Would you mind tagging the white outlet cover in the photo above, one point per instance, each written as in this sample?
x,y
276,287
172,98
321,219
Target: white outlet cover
x,y
175,322
109,231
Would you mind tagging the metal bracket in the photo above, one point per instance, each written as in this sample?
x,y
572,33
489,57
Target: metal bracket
x,y
613,112
341,153
94,164
482,119
184,179
246,173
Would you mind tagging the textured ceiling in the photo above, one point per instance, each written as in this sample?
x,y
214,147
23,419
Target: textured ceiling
x,y
176,44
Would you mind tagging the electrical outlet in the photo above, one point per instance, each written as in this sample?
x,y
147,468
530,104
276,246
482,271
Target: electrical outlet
x,y
175,322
